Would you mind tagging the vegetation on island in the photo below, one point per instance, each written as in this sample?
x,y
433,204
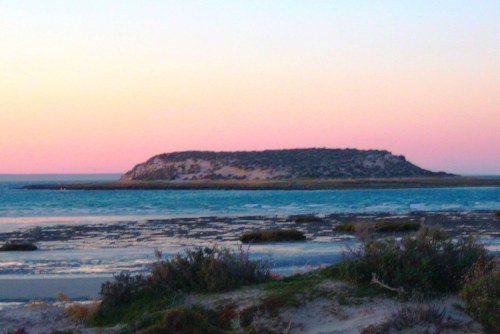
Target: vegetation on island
x,y
278,164
273,235
425,264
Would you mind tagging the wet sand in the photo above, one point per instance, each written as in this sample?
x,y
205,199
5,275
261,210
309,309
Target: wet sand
x,y
224,228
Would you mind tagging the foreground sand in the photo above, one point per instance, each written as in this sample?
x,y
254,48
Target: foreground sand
x,y
44,318
323,312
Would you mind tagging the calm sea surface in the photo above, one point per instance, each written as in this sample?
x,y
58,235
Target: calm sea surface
x,y
18,206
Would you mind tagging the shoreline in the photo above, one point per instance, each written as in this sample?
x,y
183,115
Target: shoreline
x,y
288,184
129,245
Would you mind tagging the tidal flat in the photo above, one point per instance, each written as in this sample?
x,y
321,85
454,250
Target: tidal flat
x,y
105,249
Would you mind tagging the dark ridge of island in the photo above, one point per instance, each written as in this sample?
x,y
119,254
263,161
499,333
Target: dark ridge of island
x,y
312,163
314,168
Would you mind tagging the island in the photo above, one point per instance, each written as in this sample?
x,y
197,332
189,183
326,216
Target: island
x,y
312,168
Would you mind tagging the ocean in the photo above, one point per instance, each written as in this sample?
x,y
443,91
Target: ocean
x,y
24,208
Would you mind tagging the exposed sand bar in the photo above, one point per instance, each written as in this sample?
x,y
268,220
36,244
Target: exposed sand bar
x,y
298,184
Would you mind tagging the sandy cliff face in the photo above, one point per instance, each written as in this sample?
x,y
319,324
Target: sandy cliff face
x,y
194,169
275,164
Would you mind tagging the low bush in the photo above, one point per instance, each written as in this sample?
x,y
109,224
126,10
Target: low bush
x,y
482,300
198,270
396,226
63,297
497,213
273,235
427,262
380,226
189,320
18,246
209,269
81,312
306,218
345,227
122,289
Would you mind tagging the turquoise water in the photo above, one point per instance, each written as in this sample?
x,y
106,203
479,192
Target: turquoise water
x,y
15,202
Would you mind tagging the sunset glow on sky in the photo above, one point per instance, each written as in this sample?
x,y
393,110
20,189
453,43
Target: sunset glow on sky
x,y
98,86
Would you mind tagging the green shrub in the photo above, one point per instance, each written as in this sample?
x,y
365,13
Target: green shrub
x,y
482,300
141,310
199,269
18,246
122,289
140,300
189,320
497,213
345,227
306,218
208,269
427,262
273,235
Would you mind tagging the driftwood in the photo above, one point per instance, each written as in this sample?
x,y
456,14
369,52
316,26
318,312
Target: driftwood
x,y
288,328
375,280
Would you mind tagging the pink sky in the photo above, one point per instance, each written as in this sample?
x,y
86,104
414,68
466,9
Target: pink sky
x,y
83,92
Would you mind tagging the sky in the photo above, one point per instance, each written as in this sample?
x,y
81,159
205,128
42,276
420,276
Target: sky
x,y
99,86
